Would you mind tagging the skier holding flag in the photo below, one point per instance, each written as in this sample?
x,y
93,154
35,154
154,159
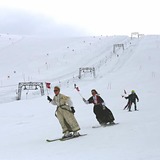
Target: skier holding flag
x,y
132,99
65,113
103,114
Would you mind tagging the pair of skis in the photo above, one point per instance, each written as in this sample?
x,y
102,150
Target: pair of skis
x,y
72,137
64,139
107,125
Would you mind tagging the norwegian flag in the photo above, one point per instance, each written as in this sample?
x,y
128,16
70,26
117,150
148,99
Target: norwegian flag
x,y
77,89
48,85
75,86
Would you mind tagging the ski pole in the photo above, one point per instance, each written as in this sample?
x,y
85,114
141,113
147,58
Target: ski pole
x,y
80,94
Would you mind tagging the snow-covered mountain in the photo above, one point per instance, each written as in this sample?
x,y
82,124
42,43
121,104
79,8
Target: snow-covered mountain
x,y
25,124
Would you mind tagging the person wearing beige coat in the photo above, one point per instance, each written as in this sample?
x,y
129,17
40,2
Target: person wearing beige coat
x,y
65,113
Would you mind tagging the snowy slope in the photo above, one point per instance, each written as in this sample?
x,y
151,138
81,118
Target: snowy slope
x,y
27,123
48,59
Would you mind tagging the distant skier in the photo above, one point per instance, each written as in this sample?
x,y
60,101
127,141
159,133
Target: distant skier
x,y
103,114
132,99
65,113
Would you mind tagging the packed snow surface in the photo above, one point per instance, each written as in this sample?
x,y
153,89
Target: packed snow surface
x,y
27,123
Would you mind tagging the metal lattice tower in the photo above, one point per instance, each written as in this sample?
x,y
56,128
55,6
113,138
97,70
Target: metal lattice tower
x,y
86,70
135,34
117,45
30,86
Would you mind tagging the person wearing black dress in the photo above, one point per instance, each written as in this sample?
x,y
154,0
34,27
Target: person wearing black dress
x,y
103,114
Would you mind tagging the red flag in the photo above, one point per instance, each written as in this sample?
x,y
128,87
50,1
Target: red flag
x,y
77,89
48,85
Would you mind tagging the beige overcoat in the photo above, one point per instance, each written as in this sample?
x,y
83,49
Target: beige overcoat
x,y
64,113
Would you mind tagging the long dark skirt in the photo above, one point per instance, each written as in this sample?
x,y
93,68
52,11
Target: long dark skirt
x,y
103,116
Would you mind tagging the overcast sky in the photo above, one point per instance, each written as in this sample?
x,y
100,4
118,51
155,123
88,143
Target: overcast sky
x,y
79,17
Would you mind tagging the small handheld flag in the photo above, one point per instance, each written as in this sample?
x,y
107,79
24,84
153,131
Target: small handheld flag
x,y
77,88
48,85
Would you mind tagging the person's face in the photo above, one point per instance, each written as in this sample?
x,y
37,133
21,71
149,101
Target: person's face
x,y
93,93
56,91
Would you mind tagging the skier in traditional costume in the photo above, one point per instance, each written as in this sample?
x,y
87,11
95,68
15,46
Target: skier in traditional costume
x,y
103,114
65,113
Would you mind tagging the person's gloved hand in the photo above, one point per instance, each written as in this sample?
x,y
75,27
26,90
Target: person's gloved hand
x,y
49,99
73,110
